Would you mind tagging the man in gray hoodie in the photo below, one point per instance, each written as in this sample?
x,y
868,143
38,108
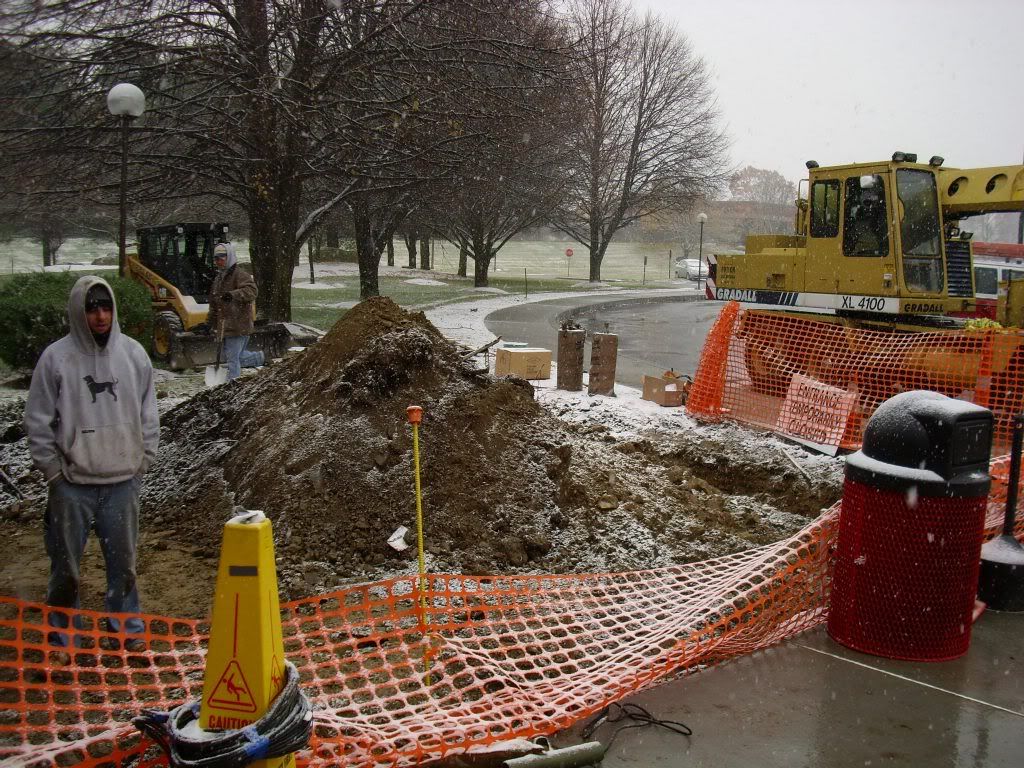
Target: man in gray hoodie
x,y
93,429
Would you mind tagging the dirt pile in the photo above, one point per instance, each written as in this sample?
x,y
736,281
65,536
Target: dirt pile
x,y
321,443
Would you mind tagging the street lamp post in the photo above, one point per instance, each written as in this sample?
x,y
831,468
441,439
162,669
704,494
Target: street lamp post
x,y
127,102
701,217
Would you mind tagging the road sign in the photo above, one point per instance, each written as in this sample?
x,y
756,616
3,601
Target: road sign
x,y
568,253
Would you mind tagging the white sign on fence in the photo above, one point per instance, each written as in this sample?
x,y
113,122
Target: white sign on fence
x,y
815,414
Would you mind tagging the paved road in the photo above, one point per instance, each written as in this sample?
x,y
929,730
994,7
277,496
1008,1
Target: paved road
x,y
656,331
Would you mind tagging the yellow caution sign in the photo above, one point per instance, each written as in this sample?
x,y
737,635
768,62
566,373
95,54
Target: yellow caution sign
x,y
245,660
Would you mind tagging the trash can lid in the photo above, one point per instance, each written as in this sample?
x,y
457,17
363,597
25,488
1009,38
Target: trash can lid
x,y
926,439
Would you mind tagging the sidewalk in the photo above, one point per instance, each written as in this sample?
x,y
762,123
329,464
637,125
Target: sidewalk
x,y
811,702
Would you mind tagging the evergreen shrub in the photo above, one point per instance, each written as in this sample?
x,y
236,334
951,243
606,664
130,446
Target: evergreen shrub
x,y
33,313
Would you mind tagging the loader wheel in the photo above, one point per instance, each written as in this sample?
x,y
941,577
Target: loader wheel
x,y
166,326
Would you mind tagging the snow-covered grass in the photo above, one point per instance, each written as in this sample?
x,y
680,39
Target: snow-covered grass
x,y
648,263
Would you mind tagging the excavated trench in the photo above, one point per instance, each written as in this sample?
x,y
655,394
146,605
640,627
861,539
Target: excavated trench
x,y
321,443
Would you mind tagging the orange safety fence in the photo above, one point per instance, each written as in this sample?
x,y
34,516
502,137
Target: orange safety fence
x,y
763,351
514,656
511,656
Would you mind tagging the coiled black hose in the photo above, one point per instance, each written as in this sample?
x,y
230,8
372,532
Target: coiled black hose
x,y
284,728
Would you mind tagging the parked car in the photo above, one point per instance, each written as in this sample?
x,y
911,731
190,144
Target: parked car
x,y
691,269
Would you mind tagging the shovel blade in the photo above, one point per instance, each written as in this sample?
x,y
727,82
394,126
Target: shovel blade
x,y
216,375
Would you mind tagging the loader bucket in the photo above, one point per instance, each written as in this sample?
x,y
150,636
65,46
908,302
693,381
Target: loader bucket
x,y
194,350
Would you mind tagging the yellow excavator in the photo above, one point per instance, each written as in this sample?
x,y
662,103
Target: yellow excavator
x,y
175,262
877,245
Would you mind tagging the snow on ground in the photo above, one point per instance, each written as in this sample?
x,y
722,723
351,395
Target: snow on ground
x,y
424,281
626,414
308,286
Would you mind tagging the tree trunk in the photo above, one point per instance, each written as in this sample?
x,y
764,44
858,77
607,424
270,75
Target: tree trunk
x,y
480,266
410,244
391,251
481,261
425,251
48,260
272,254
366,253
462,260
275,186
596,252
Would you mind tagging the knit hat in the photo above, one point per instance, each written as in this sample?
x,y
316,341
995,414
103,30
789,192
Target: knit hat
x,y
98,296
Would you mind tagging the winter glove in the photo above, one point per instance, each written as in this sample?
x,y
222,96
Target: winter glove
x,y
226,298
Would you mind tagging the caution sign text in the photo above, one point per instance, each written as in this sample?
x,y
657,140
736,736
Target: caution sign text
x,y
815,414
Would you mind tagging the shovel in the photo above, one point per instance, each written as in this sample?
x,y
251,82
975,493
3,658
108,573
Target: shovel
x,y
217,374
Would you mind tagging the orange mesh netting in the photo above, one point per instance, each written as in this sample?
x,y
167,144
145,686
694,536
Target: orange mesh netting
x,y
508,657
764,350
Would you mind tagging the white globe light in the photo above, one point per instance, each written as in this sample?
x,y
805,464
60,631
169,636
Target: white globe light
x,y
126,99
702,217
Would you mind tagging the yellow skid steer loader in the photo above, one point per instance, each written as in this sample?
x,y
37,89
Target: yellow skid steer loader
x,y
175,262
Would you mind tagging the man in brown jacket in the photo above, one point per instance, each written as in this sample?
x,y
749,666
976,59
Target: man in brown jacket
x,y
231,300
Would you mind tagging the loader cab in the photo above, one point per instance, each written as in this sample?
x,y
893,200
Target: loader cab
x,y
182,254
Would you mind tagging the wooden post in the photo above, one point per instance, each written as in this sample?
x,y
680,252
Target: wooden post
x,y
570,358
603,354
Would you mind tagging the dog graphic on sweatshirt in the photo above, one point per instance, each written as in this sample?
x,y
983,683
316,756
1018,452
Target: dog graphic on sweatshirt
x,y
96,387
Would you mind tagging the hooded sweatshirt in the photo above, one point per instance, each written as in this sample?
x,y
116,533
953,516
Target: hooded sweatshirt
x,y
237,314
91,412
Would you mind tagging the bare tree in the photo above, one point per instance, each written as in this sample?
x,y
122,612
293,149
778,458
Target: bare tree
x,y
512,174
287,110
648,138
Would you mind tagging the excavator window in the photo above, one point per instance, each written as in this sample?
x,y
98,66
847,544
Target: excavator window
x,y
986,281
920,230
181,255
825,208
865,225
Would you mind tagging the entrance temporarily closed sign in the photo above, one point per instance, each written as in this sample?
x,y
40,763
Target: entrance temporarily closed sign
x,y
815,414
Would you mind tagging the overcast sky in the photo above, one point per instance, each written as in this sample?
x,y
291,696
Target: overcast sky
x,y
853,81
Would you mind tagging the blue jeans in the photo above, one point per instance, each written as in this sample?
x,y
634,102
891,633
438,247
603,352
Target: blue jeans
x,y
72,510
238,357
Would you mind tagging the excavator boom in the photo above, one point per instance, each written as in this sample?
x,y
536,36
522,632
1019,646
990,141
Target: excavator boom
x,y
981,190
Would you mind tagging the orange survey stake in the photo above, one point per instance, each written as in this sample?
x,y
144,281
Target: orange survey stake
x,y
415,414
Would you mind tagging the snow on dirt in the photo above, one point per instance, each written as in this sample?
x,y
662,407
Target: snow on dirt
x,y
516,477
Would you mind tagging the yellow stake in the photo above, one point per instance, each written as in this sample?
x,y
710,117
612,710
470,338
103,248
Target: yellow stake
x,y
415,414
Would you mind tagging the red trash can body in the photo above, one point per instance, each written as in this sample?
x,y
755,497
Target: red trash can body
x,y
911,524
906,573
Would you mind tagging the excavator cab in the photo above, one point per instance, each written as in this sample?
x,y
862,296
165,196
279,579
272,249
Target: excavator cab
x,y
175,262
875,243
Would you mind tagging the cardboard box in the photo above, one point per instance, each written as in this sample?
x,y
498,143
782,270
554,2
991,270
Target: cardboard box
x,y
668,391
525,362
